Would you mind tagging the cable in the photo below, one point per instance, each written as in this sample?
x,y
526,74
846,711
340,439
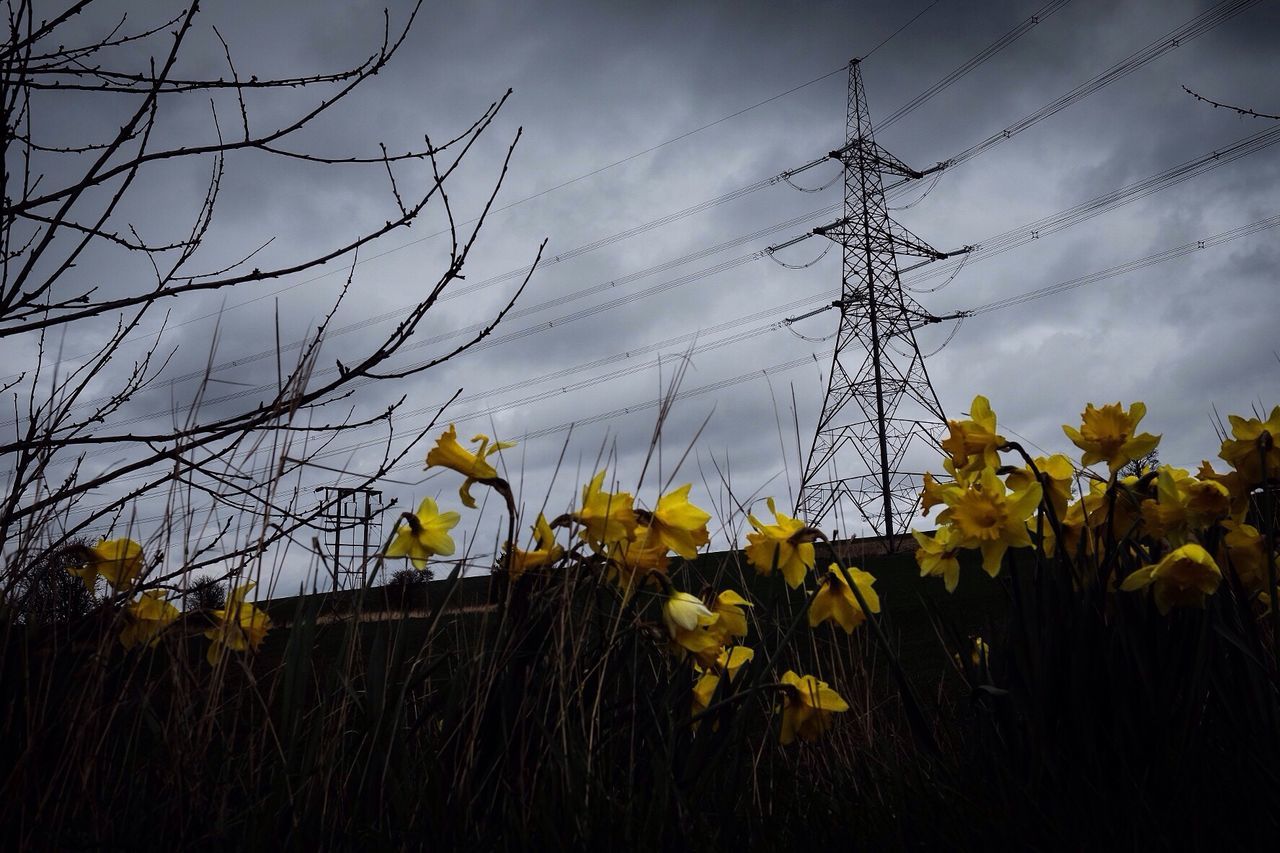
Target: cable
x,y
936,177
1129,266
895,33
976,60
780,367
1106,202
950,338
624,356
564,256
786,176
988,248
773,257
822,340
964,259
1218,14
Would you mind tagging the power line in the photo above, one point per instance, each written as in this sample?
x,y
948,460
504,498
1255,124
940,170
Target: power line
x,y
1130,266
975,61
1109,201
896,32
539,194
1060,287
1218,14
992,246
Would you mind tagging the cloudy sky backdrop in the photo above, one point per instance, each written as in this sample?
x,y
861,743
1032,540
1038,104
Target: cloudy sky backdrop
x,y
634,112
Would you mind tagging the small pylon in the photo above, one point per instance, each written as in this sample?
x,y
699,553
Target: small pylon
x,y
879,399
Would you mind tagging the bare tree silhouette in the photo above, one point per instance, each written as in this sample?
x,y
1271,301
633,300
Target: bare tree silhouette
x,y
73,461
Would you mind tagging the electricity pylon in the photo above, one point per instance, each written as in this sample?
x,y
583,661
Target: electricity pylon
x,y
879,399
354,517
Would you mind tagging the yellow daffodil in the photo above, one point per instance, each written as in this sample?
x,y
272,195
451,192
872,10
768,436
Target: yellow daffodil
x,y
731,620
424,534
1183,505
733,659
632,560
709,641
786,544
1184,578
703,689
1110,435
930,495
545,554
1247,450
240,626
1087,517
605,517
147,619
937,555
683,611
1246,552
448,453
680,525
687,620
836,601
118,560
807,706
729,661
972,443
987,517
1059,473
1235,485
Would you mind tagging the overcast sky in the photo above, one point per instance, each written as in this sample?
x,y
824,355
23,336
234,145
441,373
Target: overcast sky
x,y
599,83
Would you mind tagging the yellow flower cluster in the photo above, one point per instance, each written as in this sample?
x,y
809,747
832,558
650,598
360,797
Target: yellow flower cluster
x,y
982,511
425,534
147,618
636,543
1190,525
239,626
634,546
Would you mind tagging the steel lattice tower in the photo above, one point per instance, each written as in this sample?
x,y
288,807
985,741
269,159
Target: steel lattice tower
x,y
879,399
